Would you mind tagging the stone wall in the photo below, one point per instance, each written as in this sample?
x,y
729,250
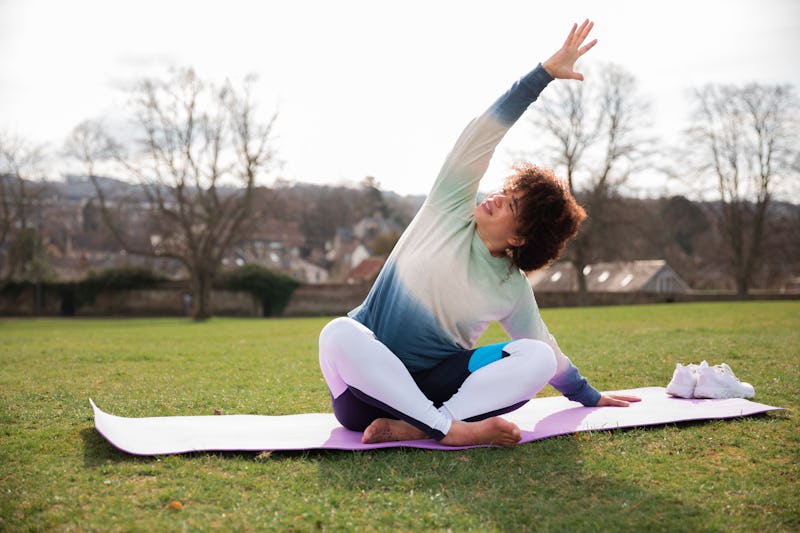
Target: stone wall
x,y
307,300
167,302
161,301
570,299
24,303
330,299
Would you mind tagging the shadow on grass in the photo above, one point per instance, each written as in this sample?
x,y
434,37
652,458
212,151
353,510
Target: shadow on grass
x,y
97,451
546,485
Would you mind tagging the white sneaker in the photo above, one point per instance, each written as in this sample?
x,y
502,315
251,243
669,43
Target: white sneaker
x,y
684,380
719,381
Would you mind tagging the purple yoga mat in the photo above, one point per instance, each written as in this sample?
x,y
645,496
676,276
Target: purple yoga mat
x,y
538,419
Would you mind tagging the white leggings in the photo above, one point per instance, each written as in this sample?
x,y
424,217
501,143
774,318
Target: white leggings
x,y
356,363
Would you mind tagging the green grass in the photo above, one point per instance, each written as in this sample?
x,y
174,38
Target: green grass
x,y
57,473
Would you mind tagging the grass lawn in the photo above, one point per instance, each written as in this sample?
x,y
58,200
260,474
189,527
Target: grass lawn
x,y
57,472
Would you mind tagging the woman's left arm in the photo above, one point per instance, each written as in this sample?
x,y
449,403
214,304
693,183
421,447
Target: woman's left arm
x,y
525,321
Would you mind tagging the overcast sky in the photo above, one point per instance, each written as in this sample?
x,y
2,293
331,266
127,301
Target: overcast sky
x,y
373,88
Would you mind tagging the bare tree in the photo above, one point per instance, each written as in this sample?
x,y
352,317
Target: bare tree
x,y
743,139
21,194
90,144
202,150
594,135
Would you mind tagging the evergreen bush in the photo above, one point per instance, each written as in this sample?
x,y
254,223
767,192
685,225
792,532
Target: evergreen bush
x,y
273,289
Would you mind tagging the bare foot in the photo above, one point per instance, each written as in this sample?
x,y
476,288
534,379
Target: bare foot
x,y
495,431
389,430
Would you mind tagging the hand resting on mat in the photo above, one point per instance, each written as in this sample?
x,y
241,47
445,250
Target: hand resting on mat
x,y
617,400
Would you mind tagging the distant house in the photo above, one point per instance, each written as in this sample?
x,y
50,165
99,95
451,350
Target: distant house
x,y
653,276
274,235
368,228
276,245
366,271
307,271
351,245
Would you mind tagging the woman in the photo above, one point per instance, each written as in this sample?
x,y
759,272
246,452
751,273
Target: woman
x,y
401,366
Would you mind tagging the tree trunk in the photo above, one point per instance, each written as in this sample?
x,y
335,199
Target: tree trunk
x,y
742,287
202,296
583,295
579,262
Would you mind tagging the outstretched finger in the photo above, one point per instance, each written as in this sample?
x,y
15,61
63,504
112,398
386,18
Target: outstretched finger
x,y
609,401
568,40
626,398
616,400
583,31
587,47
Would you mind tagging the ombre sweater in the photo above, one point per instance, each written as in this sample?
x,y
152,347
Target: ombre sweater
x,y
441,288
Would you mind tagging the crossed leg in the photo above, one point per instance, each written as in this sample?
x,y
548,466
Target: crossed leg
x,y
372,391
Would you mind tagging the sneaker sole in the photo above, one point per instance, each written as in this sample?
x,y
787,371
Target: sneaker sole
x,y
680,391
719,393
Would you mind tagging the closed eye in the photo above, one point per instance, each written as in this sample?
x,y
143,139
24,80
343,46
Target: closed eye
x,y
514,203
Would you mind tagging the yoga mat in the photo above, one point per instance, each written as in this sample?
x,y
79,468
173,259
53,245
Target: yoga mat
x,y
538,419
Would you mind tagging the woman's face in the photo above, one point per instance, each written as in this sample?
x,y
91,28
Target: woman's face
x,y
496,221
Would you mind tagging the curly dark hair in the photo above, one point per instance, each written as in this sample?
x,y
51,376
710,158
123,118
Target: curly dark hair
x,y
548,215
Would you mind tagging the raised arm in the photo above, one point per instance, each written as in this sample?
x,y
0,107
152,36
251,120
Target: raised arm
x,y
464,167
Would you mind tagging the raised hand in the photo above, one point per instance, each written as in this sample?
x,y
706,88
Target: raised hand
x,y
561,64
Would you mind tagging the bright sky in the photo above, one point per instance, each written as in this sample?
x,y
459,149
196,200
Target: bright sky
x,y
373,88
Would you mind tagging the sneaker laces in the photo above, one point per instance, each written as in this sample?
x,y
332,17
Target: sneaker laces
x,y
726,370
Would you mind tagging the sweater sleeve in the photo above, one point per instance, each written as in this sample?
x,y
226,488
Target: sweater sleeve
x,y
525,321
568,380
456,187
